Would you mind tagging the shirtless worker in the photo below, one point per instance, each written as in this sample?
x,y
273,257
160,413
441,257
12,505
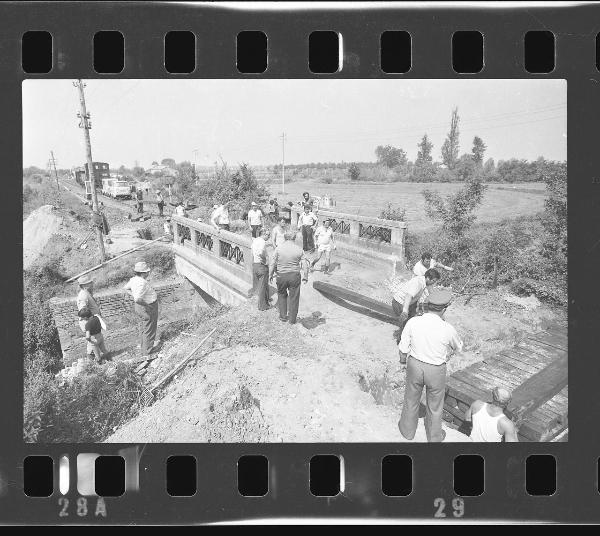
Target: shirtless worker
x,y
325,243
428,341
406,295
490,424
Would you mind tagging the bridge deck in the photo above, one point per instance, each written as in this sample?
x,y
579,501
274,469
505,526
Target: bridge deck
x,y
535,370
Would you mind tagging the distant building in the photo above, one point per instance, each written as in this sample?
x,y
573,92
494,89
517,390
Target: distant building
x,y
164,171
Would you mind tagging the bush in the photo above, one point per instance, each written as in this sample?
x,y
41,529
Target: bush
x,y
85,410
327,179
390,212
160,260
354,172
145,233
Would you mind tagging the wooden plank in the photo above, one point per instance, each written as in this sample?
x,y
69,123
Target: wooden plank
x,y
550,354
464,392
554,345
513,371
539,388
511,361
356,298
481,384
514,376
551,339
491,380
527,358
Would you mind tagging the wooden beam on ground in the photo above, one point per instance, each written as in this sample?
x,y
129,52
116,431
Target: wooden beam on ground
x,y
113,259
356,298
538,389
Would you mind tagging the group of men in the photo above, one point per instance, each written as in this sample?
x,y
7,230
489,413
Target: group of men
x,y
426,341
145,301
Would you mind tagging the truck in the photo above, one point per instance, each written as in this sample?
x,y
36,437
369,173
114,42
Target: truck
x,y
116,188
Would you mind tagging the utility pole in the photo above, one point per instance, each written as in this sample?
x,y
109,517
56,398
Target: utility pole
x,y
283,163
53,162
86,124
195,153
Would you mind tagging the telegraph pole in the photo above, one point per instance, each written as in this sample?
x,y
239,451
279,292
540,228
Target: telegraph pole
x,y
86,124
283,163
53,162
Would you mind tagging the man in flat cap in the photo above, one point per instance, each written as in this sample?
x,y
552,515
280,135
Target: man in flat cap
x,y
145,305
490,424
428,341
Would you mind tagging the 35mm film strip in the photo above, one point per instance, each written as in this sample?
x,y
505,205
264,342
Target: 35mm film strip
x,y
297,262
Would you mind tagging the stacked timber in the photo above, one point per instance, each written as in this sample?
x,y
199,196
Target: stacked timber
x,y
535,370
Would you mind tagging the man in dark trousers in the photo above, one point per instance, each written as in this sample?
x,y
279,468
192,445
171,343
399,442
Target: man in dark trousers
x,y
289,262
139,196
260,269
161,202
427,343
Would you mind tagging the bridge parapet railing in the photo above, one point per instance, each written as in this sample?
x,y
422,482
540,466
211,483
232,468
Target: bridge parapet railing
x,y
233,252
365,231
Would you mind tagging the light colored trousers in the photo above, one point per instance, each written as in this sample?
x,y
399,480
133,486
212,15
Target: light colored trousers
x,y
433,378
149,316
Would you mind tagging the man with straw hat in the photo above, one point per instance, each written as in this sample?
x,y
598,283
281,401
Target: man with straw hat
x,y
428,340
145,306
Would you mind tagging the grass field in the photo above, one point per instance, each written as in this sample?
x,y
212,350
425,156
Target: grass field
x,y
501,200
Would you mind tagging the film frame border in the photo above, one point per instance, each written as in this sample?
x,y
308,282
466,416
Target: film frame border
x,y
144,26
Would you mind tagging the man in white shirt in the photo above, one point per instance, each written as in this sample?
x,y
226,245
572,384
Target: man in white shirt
x,y
86,300
325,243
307,221
428,341
255,219
260,269
277,233
406,296
426,263
220,217
145,306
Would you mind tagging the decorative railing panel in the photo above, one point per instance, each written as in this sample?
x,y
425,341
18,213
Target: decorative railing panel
x,y
231,252
204,241
374,232
183,232
339,226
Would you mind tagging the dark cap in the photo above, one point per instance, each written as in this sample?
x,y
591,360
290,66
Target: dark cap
x,y
439,297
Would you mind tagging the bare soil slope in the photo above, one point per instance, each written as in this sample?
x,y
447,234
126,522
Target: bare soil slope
x,y
38,228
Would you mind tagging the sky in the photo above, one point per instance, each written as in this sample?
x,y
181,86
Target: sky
x,y
242,120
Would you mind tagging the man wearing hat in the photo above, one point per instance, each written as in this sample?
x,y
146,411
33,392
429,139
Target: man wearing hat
x,y
145,306
86,300
428,341
161,203
255,219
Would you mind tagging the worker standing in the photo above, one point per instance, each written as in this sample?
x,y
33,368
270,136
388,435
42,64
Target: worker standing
x,y
86,300
307,222
220,217
288,262
139,196
260,269
277,233
145,306
255,219
325,243
161,202
427,341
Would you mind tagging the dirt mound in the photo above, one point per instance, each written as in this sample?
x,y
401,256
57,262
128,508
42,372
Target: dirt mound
x,y
38,228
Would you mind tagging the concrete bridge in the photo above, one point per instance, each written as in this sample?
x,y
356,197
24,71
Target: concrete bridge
x,y
219,263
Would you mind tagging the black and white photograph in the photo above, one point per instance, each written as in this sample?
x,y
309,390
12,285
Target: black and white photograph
x,y
294,260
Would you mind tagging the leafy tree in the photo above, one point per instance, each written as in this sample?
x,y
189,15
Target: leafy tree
x,y
466,168
489,168
390,156
138,171
424,169
353,171
554,218
478,150
450,146
456,212
169,162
